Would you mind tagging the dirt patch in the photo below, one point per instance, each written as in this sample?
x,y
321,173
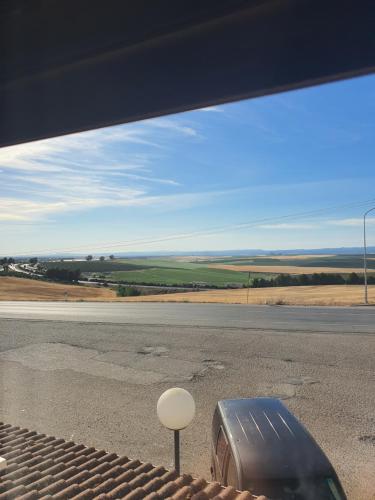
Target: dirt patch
x,y
328,295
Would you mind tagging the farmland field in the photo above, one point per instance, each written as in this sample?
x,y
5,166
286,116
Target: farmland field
x,y
95,266
211,271
167,271
314,261
171,276
280,269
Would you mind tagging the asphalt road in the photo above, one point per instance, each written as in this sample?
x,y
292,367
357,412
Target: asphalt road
x,y
281,318
94,376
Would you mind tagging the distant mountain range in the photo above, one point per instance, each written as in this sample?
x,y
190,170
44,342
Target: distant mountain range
x,y
229,252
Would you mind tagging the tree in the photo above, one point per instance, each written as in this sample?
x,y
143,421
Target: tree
x,y
11,260
89,257
101,258
354,279
112,257
65,275
4,263
127,291
33,260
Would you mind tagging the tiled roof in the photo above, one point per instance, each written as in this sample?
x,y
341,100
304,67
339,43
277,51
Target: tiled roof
x,y
40,466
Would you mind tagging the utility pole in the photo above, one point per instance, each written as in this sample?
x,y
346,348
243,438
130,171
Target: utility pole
x,y
365,252
248,288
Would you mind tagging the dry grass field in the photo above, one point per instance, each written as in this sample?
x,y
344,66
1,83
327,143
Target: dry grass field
x,y
345,295
328,295
286,269
26,289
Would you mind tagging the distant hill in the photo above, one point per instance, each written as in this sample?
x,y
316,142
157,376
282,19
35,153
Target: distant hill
x,y
229,252
258,251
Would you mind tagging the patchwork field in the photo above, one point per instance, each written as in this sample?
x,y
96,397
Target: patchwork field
x,y
328,295
212,271
285,269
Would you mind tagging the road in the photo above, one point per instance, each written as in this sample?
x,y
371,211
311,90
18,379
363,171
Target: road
x,y
281,318
93,373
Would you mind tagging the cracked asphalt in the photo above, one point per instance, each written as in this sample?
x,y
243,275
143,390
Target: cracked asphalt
x,y
98,383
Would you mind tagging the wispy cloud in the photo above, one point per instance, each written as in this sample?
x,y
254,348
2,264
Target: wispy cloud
x,y
212,109
351,222
289,225
174,126
108,167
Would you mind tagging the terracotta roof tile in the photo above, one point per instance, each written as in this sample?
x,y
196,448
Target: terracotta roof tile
x,y
44,467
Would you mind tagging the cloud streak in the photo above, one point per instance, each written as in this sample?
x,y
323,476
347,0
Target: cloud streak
x,y
289,225
103,168
351,222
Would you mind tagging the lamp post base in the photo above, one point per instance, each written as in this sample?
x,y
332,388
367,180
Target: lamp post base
x,y
177,451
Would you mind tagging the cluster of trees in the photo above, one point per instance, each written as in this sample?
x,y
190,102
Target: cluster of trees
x,y
102,258
313,279
127,291
5,261
66,275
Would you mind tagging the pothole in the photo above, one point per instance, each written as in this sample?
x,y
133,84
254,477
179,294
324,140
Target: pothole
x,y
301,381
153,350
369,438
213,363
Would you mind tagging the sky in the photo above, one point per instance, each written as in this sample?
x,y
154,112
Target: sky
x,y
293,170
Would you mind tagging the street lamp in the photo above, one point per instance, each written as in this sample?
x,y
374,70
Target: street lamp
x,y
365,252
176,409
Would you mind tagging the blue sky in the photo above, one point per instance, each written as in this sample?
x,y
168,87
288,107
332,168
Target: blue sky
x,y
213,179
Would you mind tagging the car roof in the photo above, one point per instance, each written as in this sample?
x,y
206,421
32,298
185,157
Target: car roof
x,y
269,442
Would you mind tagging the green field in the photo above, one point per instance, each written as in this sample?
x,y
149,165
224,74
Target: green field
x,y
95,266
181,277
151,271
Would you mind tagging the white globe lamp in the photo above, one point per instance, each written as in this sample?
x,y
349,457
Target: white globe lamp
x,y
176,410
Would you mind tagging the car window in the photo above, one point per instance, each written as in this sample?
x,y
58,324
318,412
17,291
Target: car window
x,y
300,489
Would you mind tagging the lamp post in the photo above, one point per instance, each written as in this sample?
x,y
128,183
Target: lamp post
x,y
176,410
365,252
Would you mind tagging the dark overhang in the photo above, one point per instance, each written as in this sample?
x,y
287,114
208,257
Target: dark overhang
x,y
72,65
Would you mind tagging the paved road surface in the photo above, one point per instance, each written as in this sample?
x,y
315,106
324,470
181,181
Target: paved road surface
x,y
314,319
95,375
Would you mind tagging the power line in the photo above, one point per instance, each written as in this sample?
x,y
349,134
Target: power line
x,y
206,232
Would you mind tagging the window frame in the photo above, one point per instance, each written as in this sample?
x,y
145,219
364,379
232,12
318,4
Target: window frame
x,y
221,466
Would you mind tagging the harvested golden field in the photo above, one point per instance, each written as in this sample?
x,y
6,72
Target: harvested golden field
x,y
26,289
328,295
286,269
296,257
